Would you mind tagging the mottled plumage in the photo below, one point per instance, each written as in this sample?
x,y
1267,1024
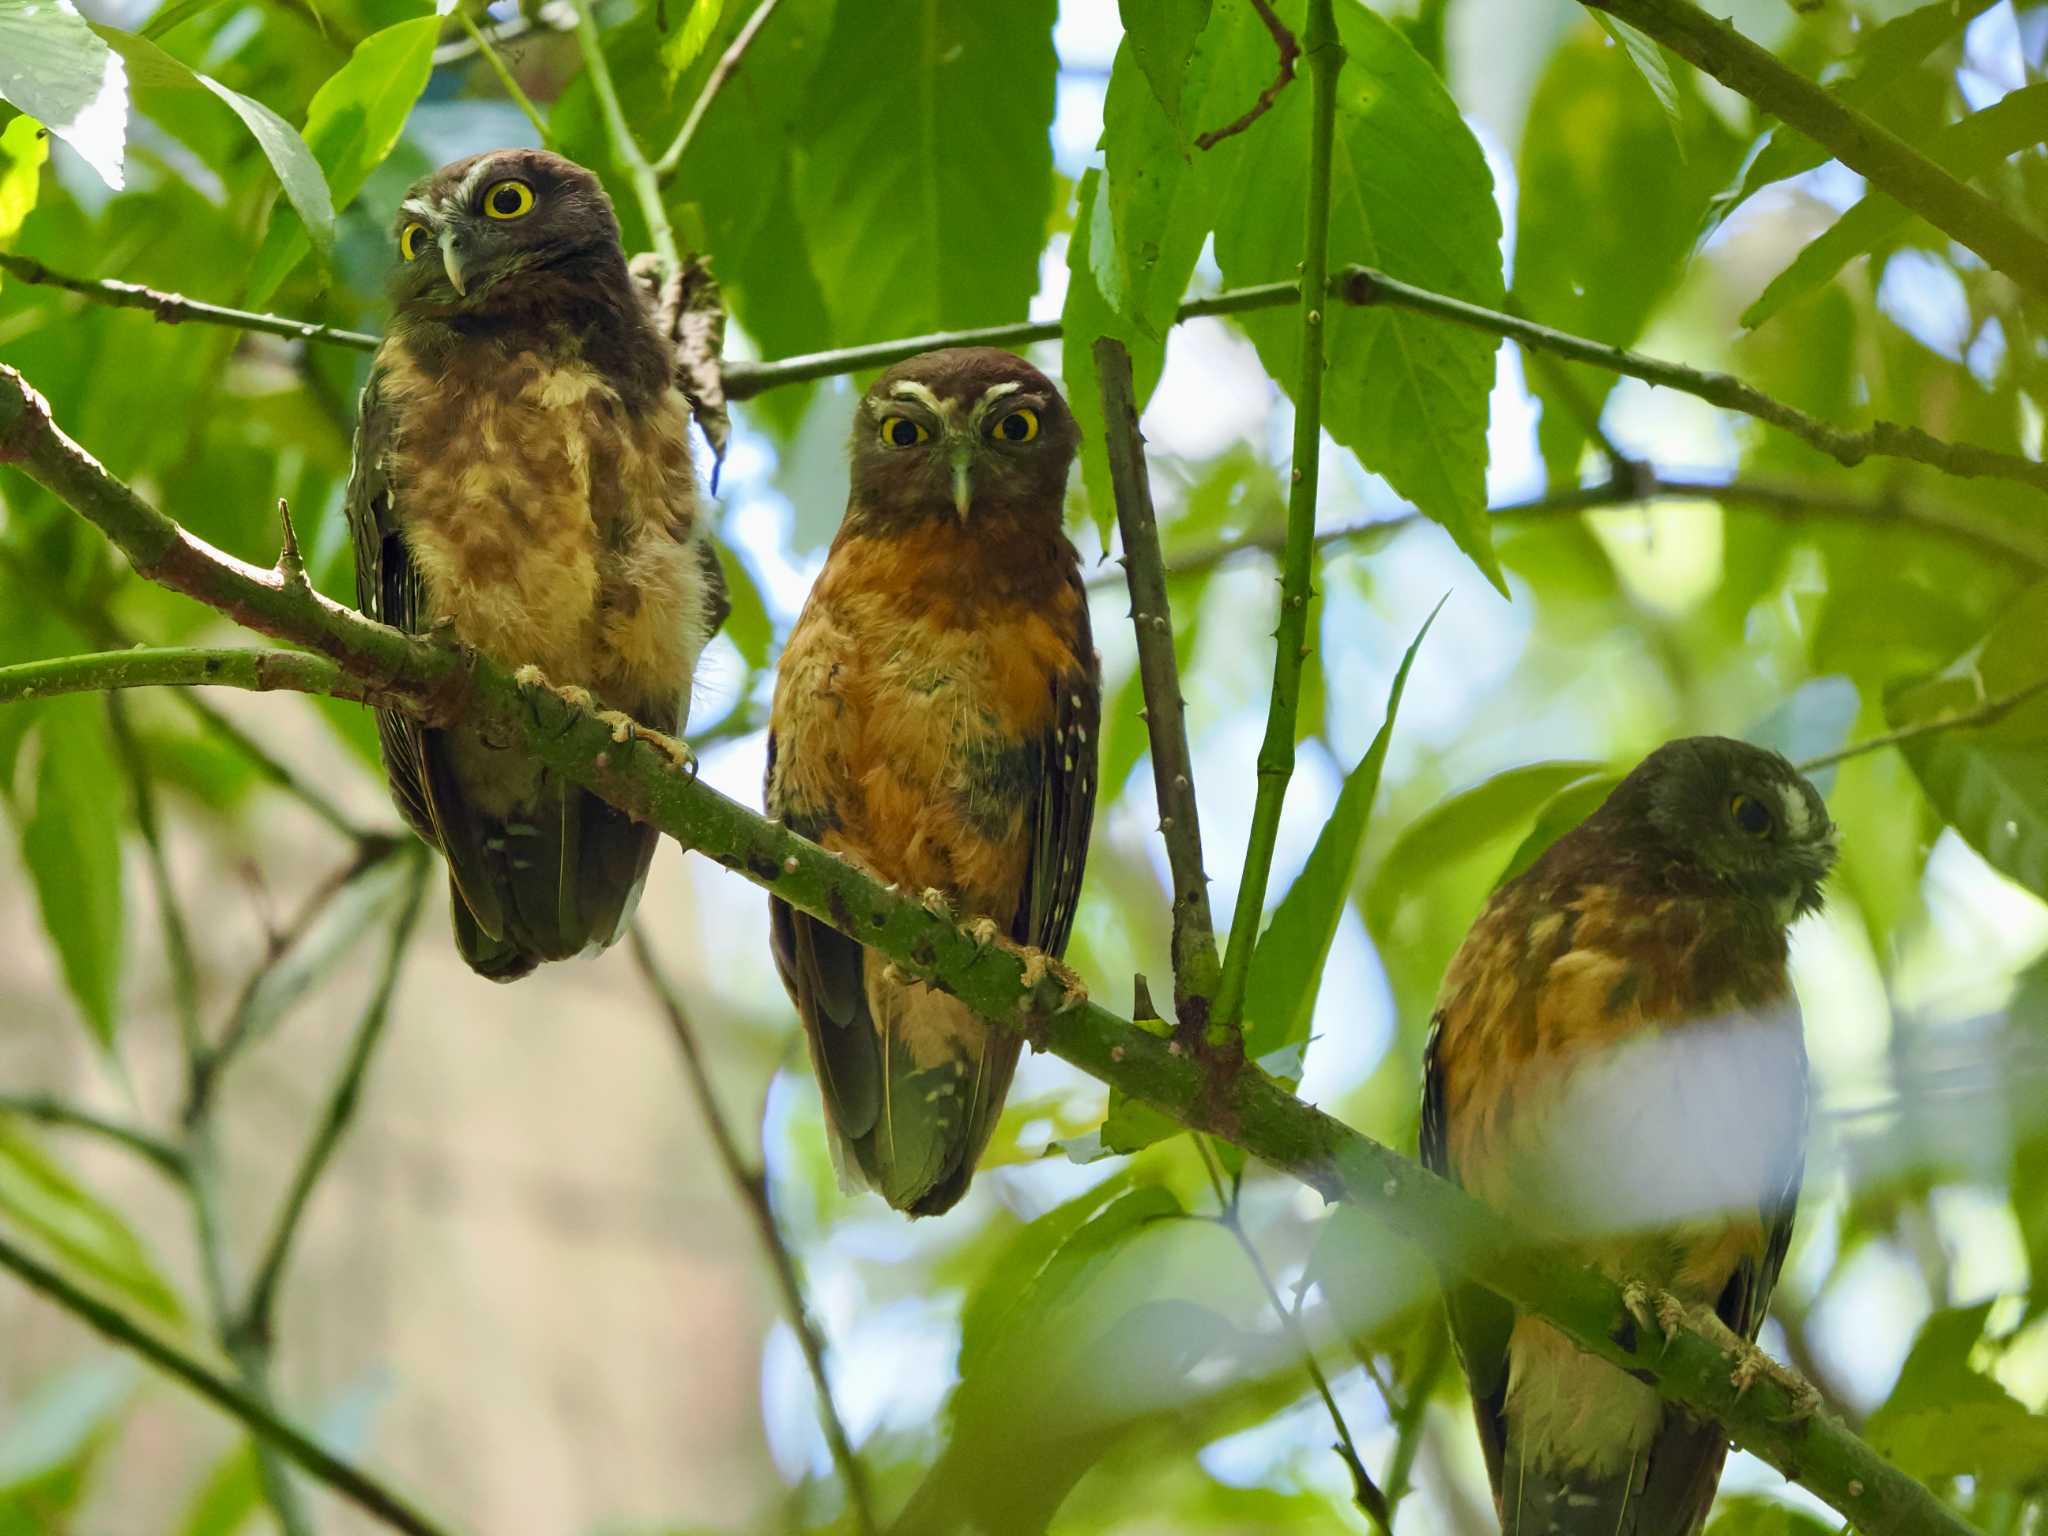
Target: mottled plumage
x,y
522,475
935,721
1616,1062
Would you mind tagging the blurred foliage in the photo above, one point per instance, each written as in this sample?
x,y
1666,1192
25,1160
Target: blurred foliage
x,y
874,172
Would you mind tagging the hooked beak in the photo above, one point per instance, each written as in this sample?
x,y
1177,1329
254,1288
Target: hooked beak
x,y
451,262
963,487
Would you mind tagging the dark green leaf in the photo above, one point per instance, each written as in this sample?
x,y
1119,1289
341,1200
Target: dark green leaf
x,y
39,1198
1462,825
71,843
747,626
57,71
1991,782
1160,35
1411,195
924,203
2017,121
1287,966
151,69
352,124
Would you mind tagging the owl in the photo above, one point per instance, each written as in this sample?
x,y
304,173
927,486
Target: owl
x,y
935,723
522,481
1616,1062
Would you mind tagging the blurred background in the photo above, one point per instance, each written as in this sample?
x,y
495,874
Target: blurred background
x,y
529,1291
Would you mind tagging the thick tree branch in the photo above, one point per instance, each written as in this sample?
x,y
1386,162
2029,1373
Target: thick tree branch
x,y
1017,988
728,65
1859,142
1297,558
1196,968
351,1482
750,1179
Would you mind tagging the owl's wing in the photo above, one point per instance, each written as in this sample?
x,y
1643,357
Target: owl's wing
x,y
387,590
1481,1323
1063,813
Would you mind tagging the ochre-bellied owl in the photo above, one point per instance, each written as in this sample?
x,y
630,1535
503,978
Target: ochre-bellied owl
x,y
935,722
1616,1062
522,473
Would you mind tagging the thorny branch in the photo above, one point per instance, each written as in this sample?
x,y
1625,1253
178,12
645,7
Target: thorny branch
x,y
750,1178
1713,1376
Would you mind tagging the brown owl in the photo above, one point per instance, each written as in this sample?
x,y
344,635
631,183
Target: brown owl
x,y
934,722
522,475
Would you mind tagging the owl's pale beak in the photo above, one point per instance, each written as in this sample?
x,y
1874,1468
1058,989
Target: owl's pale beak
x,y
451,261
963,488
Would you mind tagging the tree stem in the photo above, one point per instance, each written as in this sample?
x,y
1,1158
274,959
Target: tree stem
x,y
1297,561
646,186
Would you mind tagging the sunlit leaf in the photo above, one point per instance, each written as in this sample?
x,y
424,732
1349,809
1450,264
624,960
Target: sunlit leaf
x,y
1410,195
24,146
1160,35
1751,1514
686,43
151,69
1287,966
39,1198
57,71
1944,1419
71,843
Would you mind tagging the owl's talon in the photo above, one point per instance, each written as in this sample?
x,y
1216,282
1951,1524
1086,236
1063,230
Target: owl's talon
x,y
985,932
625,728
1754,1365
934,901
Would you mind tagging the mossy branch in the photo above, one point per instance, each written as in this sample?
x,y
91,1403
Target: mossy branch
x,y
1713,1375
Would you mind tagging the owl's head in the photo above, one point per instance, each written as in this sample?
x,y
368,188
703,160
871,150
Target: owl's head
x,y
1740,815
466,234
968,432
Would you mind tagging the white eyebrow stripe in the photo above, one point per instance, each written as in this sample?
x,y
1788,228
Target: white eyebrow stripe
x,y
990,396
1796,818
910,389
418,207
472,180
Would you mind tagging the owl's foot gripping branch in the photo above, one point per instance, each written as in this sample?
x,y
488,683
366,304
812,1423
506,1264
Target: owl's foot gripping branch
x,y
357,657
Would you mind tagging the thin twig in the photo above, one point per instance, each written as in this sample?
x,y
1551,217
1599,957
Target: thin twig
x,y
1297,562
512,88
1290,50
243,667
262,1421
1859,142
170,911
1195,965
750,1179
646,187
728,64
49,1110
1365,1493
1413,1415
1990,712
1016,989
259,1308
172,308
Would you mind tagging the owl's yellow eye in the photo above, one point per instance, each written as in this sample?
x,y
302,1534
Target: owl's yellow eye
x,y
1020,426
1751,814
509,200
411,239
902,432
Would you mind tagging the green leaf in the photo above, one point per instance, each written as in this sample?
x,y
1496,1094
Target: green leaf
x,y
1558,815
924,202
747,626
1944,1419
986,1318
1160,35
1461,825
1287,966
229,1498
71,843
1410,195
1990,782
1087,315
686,43
1751,1514
39,1198
2016,121
150,68
1649,61
352,124
1886,54
1161,191
24,146
57,71
53,1436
